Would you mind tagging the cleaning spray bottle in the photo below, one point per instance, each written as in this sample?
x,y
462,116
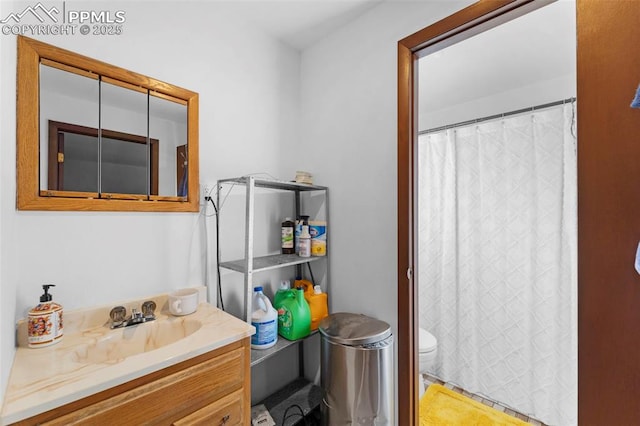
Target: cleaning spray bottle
x,y
302,220
45,321
304,242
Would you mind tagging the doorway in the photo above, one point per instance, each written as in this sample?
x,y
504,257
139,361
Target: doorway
x,y
496,216
608,206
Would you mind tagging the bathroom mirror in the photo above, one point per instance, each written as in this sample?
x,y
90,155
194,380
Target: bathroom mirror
x,y
92,136
168,123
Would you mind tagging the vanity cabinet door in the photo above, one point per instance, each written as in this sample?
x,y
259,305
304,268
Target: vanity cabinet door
x,y
226,411
213,392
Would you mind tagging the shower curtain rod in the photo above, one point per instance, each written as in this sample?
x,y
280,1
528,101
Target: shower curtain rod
x,y
493,117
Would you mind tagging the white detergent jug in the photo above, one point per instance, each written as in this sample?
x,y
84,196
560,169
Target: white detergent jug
x,y
265,319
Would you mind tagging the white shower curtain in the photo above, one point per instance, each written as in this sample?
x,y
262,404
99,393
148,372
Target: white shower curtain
x,y
498,259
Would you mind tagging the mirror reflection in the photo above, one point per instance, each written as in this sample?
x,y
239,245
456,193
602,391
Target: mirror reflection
x,y
168,124
74,158
124,166
67,97
143,146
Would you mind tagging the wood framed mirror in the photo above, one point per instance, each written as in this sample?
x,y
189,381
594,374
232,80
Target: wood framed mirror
x,y
137,129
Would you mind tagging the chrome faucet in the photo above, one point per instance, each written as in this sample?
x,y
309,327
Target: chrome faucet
x,y
119,315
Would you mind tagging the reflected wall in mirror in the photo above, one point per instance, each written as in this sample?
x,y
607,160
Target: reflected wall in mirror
x,y
168,124
74,160
66,97
123,168
92,136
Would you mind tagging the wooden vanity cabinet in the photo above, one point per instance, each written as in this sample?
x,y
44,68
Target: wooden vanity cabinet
x,y
211,389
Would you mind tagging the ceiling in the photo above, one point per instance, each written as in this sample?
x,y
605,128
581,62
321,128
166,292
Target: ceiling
x,y
300,23
534,48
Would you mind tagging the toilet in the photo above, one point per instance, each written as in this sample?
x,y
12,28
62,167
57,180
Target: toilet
x,y
428,349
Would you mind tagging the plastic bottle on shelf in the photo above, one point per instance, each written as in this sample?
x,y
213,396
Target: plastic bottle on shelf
x,y
265,319
318,306
294,316
318,231
302,220
305,242
282,293
287,236
306,285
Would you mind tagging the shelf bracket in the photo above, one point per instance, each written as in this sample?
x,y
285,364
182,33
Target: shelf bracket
x,y
248,248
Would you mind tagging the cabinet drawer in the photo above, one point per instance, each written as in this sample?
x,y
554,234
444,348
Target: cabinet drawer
x,y
169,398
226,411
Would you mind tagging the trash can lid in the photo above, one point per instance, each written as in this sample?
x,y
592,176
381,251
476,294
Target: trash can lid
x,y
353,329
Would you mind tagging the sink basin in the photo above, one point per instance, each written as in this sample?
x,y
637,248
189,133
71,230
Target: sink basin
x,y
112,346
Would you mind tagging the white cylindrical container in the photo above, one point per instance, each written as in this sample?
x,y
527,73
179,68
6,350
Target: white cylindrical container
x,y
305,242
318,231
265,319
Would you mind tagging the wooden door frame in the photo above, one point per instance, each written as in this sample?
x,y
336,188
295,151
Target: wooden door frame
x,y
56,146
478,17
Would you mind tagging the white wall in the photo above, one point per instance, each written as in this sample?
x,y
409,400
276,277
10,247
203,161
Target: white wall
x,y
6,321
537,93
249,102
349,127
525,62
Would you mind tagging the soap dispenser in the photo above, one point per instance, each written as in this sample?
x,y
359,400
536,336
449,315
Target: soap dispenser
x,y
45,321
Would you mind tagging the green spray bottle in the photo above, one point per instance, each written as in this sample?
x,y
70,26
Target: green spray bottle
x,y
294,316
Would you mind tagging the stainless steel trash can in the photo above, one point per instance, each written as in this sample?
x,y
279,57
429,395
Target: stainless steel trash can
x,y
356,370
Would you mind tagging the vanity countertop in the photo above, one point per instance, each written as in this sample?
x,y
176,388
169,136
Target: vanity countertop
x,y
46,378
